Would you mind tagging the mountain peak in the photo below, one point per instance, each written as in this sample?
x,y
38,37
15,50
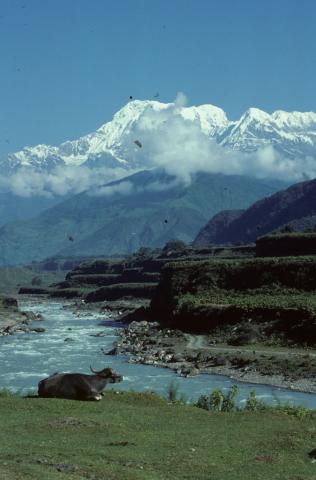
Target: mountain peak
x,y
255,114
113,144
294,119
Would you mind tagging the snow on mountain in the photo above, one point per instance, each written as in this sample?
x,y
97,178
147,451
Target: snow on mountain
x,y
212,119
291,133
113,144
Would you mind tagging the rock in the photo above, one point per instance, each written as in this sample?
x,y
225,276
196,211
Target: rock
x,y
187,370
244,339
220,361
177,357
69,339
99,334
114,351
37,330
9,302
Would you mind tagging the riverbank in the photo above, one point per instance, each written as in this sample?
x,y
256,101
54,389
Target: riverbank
x,y
13,320
146,343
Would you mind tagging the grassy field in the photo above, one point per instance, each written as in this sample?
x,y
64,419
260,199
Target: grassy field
x,y
11,278
130,436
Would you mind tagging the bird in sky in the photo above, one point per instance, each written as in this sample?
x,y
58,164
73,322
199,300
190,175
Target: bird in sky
x,y
138,143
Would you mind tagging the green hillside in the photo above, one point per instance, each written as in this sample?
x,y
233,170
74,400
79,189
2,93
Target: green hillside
x,y
154,211
13,207
293,208
11,278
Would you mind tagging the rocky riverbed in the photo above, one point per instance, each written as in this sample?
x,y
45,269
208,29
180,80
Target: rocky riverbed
x,y
13,320
146,343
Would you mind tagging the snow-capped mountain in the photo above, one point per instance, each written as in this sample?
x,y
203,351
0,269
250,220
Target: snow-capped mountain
x,y
292,134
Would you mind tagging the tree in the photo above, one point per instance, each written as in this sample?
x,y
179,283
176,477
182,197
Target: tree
x,y
175,246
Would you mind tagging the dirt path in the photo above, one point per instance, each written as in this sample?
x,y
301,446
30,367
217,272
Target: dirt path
x,y
196,342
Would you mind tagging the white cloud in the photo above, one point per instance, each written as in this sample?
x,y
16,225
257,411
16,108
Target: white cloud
x,y
60,181
121,188
181,148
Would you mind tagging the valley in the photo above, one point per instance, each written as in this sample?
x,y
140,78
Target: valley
x,y
158,240
197,312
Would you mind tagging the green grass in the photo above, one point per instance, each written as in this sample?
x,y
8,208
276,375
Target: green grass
x,y
256,300
11,278
242,274
139,436
69,292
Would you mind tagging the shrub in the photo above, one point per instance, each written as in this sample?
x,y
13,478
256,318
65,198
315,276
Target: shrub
x,y
294,410
174,246
229,400
253,404
173,393
6,393
203,402
217,401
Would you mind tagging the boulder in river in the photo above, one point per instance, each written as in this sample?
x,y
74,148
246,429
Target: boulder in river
x,y
37,330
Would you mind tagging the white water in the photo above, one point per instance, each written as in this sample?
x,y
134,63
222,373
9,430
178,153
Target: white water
x,y
27,358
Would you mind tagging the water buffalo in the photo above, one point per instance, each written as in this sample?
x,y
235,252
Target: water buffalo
x,y
78,386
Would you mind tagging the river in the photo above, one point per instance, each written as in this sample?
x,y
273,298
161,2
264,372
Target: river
x,y
26,358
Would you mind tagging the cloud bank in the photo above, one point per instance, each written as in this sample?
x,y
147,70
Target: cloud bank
x,y
181,148
60,181
170,142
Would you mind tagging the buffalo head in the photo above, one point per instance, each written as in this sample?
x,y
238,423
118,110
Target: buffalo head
x,y
108,374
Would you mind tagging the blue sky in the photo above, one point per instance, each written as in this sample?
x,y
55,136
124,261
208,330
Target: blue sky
x,y
68,65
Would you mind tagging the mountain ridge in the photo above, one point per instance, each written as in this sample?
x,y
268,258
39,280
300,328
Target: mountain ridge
x,y
144,209
291,133
294,207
